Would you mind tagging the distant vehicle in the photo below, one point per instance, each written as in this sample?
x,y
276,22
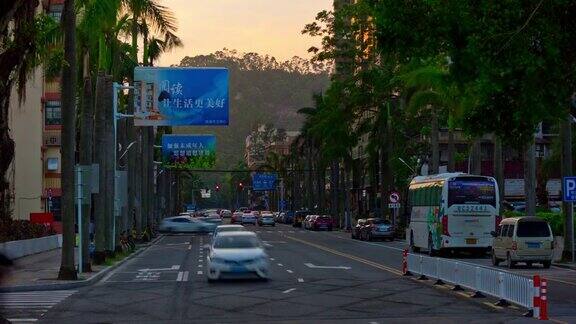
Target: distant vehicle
x,y
243,209
299,218
236,217
266,219
185,224
523,239
288,217
377,228
452,211
225,213
278,217
248,217
237,255
356,230
229,228
321,222
308,221
211,219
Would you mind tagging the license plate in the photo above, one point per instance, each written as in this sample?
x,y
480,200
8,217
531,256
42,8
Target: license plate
x,y
237,269
533,245
471,241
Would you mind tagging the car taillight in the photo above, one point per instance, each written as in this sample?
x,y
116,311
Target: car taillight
x,y
514,246
445,226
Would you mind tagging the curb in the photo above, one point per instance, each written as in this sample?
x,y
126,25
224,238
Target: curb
x,y
80,283
564,265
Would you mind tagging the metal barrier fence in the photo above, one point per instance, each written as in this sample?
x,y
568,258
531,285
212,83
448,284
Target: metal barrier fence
x,y
506,286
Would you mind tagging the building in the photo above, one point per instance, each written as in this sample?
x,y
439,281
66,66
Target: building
x,y
264,140
25,174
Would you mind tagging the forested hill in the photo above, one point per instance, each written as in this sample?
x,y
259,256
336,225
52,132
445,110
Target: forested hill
x,y
262,90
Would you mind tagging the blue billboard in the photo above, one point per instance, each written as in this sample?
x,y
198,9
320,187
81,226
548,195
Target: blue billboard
x,y
180,96
263,181
187,152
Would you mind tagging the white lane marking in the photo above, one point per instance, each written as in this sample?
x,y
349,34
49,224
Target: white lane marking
x,y
373,323
280,265
200,260
272,259
21,320
199,272
287,291
174,267
300,280
180,275
312,266
172,244
185,277
200,266
189,247
289,271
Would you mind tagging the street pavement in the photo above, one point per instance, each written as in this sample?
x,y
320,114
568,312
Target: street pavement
x,y
316,277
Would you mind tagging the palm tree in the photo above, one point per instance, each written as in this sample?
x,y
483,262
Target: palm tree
x,y
431,88
69,76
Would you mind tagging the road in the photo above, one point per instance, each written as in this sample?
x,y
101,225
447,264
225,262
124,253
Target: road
x,y
317,277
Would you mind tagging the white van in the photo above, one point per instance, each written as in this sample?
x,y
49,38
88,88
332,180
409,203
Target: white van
x,y
523,239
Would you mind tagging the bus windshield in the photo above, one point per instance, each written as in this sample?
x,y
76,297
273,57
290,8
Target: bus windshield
x,y
471,190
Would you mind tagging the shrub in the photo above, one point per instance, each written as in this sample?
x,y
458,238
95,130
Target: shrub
x,y
14,230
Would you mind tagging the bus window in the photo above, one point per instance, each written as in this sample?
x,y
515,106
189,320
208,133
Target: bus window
x,y
471,190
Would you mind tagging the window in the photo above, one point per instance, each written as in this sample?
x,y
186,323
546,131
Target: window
x,y
52,164
504,231
533,229
55,11
510,230
499,230
53,113
471,190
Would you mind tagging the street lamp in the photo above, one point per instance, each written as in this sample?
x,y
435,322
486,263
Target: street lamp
x,y
126,150
407,165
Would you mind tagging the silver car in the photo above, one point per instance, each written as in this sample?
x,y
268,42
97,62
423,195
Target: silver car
x,y
266,219
228,228
185,224
237,255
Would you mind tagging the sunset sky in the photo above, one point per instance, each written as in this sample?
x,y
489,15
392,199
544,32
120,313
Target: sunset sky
x,y
264,26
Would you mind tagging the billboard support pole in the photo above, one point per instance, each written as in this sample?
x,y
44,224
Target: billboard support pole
x,y
116,87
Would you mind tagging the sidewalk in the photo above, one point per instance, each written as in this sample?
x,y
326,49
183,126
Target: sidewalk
x,y
40,271
567,265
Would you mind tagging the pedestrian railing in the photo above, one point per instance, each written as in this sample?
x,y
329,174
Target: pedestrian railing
x,y
506,286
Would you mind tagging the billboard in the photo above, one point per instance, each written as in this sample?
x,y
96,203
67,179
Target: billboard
x,y
263,181
180,96
187,152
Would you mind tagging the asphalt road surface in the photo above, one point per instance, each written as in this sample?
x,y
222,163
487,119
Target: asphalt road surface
x,y
316,277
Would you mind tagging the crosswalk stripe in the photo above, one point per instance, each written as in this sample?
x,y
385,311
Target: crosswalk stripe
x,y
27,306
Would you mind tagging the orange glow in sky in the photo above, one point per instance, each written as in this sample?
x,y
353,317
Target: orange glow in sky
x,y
264,26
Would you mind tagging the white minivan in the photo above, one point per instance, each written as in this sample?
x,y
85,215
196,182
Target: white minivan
x,y
523,239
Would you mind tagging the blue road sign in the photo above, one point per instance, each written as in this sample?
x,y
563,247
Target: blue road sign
x,y
569,189
263,181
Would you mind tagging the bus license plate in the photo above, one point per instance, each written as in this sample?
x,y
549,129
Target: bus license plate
x,y
471,241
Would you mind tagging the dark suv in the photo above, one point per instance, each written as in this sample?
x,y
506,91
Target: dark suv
x,y
299,217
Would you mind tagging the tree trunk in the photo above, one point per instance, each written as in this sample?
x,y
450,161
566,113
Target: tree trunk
x,y
530,178
334,175
435,146
101,159
566,170
144,175
69,78
499,167
151,184
138,179
86,153
451,151
476,157
7,149
131,157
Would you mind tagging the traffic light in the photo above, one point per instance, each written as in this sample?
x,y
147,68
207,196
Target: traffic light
x,y
240,185
217,187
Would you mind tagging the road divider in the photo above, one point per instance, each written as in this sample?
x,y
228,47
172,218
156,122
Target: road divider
x,y
506,286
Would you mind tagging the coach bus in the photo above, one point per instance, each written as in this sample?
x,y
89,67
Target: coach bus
x,y
452,211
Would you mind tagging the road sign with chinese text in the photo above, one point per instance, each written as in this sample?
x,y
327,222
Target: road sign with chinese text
x,y
263,181
187,152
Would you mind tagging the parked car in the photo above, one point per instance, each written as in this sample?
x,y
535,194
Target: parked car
x,y
266,219
278,217
377,228
236,217
299,218
288,217
237,255
523,239
321,222
307,222
185,224
248,217
357,229
225,213
228,228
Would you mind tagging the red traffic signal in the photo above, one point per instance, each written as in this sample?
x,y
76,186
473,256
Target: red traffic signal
x,y
240,185
217,187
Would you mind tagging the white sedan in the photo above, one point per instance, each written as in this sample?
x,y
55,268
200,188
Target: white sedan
x,y
248,218
181,224
237,255
229,228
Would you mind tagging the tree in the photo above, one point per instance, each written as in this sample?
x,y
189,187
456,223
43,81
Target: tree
x,y
25,39
69,76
